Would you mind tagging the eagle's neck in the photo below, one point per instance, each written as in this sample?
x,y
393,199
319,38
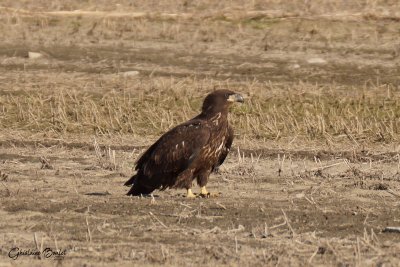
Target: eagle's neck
x,y
217,119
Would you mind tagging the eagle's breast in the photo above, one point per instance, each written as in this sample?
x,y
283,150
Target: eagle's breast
x,y
214,148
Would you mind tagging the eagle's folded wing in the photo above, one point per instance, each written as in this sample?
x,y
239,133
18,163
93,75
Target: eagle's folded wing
x,y
175,150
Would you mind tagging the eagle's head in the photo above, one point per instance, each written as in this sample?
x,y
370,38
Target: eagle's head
x,y
220,100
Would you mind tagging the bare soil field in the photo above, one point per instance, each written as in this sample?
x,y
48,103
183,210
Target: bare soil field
x,y
314,175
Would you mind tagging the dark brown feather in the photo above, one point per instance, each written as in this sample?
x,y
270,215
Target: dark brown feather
x,y
170,156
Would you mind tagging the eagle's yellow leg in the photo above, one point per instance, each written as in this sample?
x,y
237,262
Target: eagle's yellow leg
x,y
190,194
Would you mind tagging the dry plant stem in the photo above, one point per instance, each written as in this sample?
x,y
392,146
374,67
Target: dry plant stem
x,y
236,245
327,166
222,206
288,223
313,255
89,233
392,192
158,220
38,248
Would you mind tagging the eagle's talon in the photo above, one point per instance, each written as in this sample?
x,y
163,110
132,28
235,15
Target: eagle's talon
x,y
216,170
210,195
205,195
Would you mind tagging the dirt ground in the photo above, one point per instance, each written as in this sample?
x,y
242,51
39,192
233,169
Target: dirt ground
x,y
313,178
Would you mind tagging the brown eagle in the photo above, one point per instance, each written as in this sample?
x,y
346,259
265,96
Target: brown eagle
x,y
191,150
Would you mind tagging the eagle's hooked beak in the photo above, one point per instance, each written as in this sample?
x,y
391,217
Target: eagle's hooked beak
x,y
236,98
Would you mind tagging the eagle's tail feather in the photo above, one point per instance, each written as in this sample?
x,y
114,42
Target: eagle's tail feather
x,y
130,181
138,188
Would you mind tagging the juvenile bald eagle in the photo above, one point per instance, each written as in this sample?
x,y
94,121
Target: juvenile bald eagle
x,y
191,150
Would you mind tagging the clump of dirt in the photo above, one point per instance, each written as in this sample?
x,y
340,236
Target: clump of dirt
x,y
379,186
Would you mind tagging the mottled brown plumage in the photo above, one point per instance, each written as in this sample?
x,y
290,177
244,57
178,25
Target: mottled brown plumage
x,y
191,150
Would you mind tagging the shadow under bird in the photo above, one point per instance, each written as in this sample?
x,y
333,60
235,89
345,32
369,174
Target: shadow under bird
x,y
189,151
